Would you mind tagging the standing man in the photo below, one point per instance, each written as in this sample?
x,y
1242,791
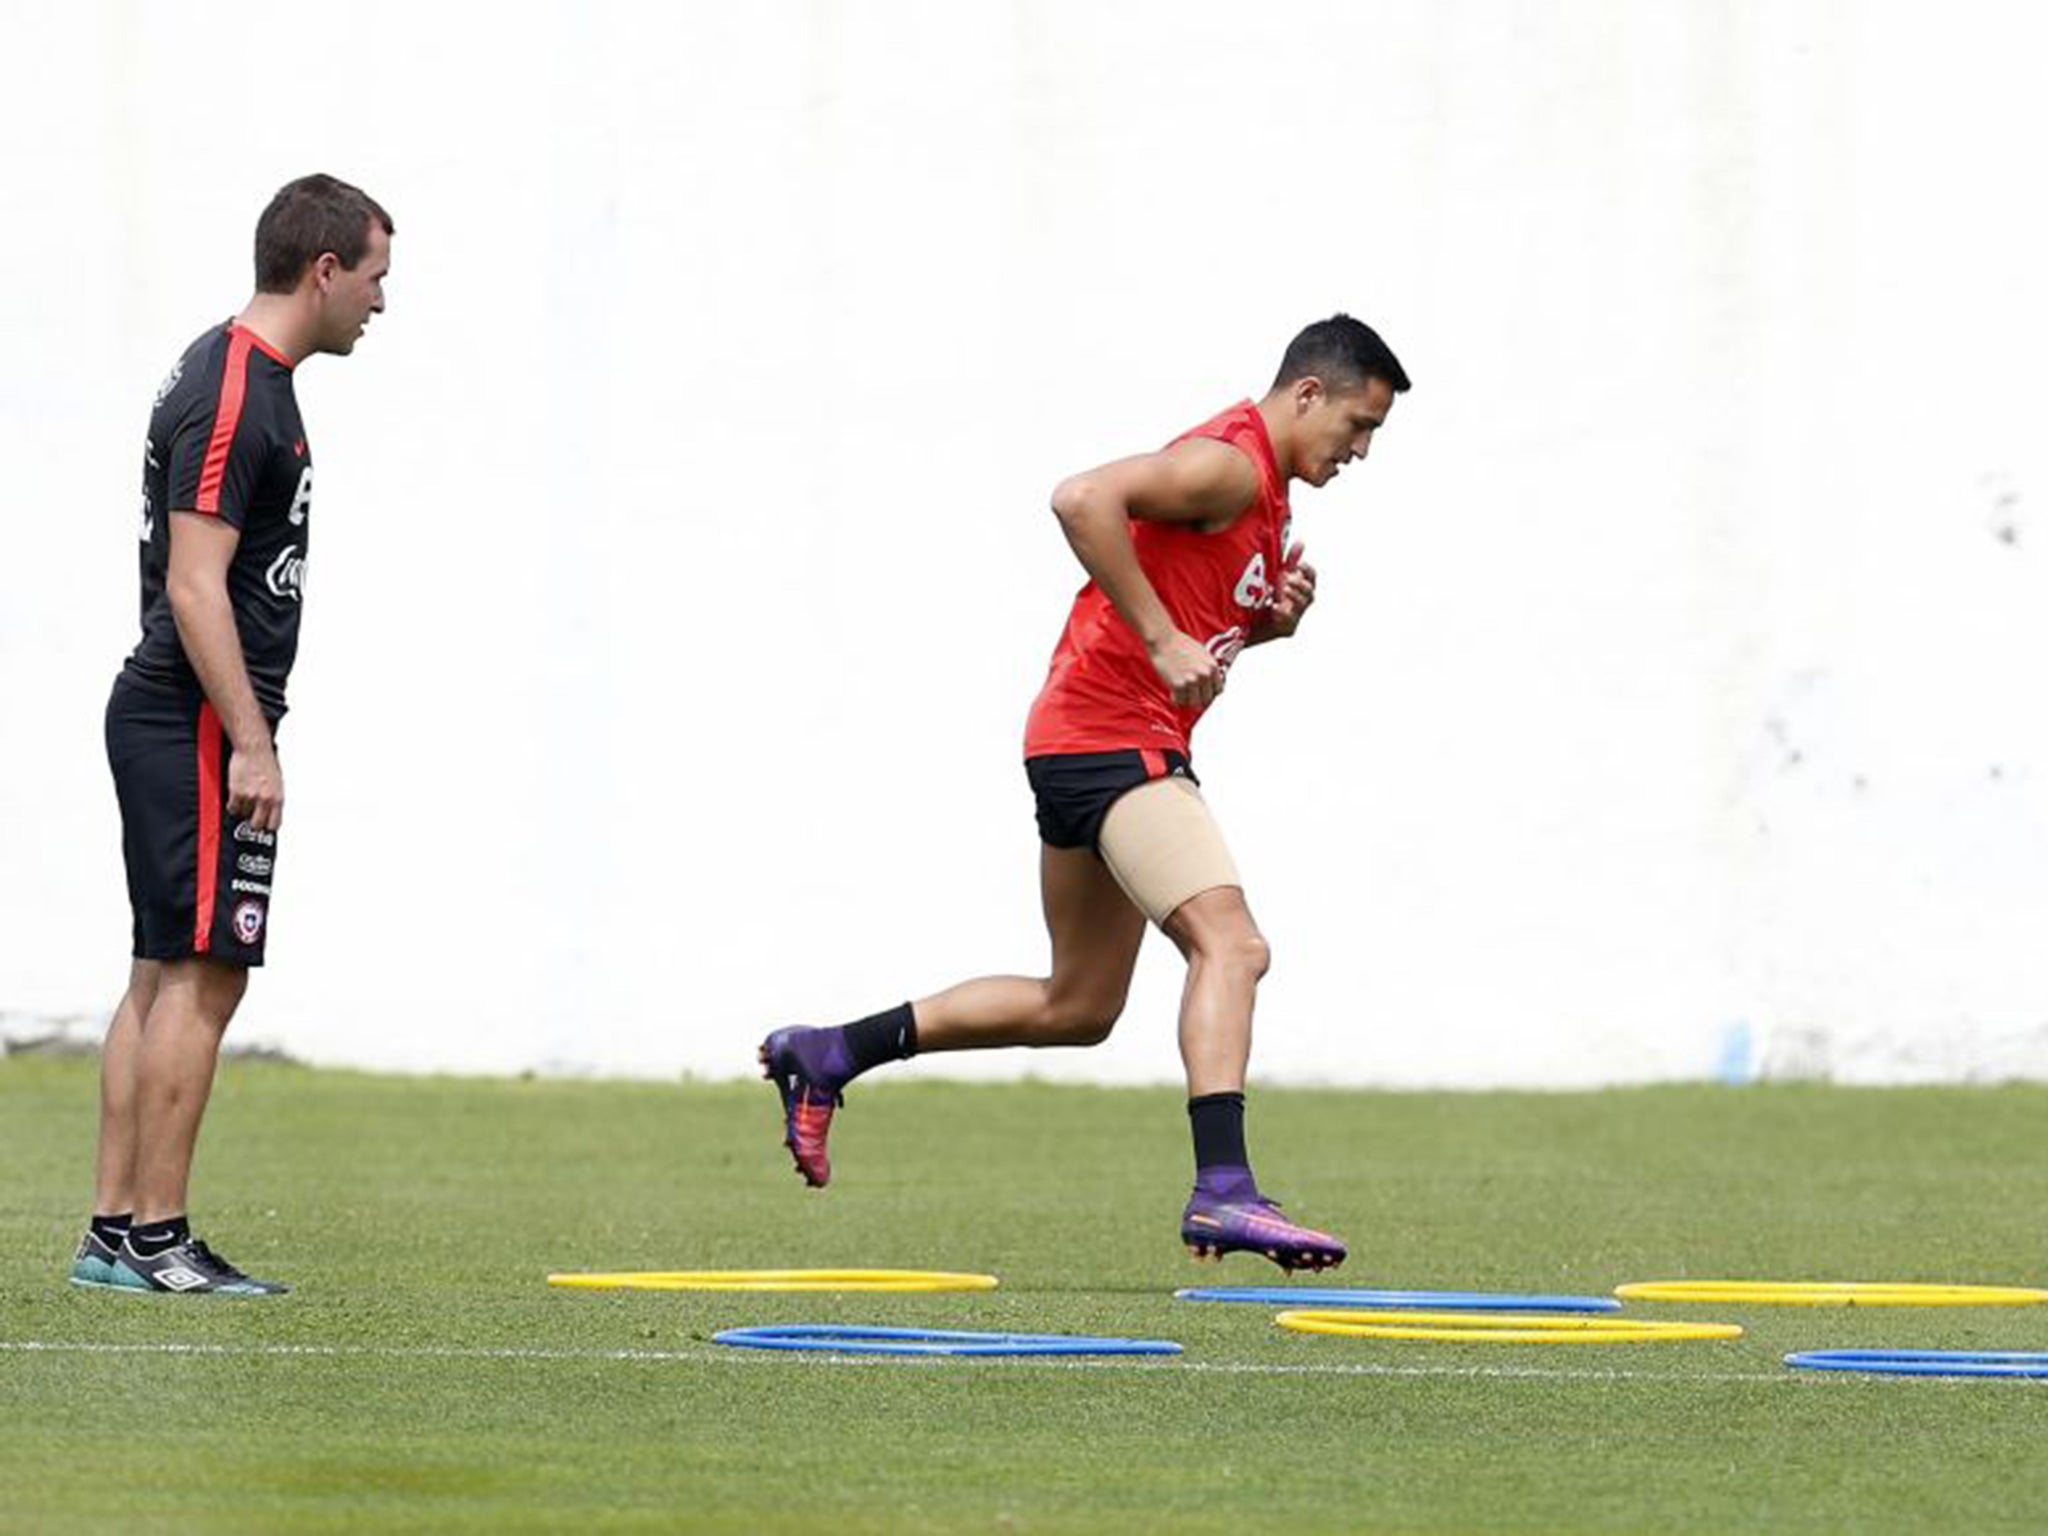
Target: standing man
x,y
227,486
1190,558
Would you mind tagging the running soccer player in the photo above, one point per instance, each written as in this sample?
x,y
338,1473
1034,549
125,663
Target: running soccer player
x,y
1190,558
227,487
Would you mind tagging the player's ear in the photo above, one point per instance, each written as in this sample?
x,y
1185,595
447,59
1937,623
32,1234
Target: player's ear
x,y
325,265
1307,392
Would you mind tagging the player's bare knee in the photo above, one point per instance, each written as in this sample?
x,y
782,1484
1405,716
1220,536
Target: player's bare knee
x,y
227,993
1250,953
1236,947
1095,1024
226,983
1082,1021
144,977
216,988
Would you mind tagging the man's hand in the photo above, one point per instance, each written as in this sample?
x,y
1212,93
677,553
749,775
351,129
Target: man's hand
x,y
1297,592
256,789
1190,673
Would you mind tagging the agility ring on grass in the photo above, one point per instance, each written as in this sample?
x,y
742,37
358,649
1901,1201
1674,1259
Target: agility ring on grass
x,y
1923,1362
1346,1296
1833,1293
776,1280
933,1341
1500,1328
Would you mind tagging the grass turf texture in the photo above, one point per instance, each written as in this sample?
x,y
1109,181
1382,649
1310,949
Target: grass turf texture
x,y
424,1378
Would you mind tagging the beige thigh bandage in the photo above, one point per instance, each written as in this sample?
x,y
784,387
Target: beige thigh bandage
x,y
1163,846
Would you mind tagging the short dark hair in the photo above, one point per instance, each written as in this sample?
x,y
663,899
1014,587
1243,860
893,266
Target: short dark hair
x,y
308,218
1342,352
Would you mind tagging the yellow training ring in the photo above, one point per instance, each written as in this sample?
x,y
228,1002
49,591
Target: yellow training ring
x,y
1500,1327
776,1280
1833,1293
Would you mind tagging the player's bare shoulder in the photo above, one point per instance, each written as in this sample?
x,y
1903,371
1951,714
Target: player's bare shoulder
x,y
1198,482
1214,480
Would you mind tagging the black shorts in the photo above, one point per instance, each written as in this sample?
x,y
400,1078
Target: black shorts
x,y
1076,789
198,878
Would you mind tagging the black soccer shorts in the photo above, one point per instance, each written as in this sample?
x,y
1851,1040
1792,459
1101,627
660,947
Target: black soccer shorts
x,y
198,878
1076,789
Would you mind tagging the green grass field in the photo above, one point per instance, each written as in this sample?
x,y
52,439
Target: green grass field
x,y
423,1377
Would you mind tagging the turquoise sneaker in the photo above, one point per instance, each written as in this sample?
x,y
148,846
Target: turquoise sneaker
x,y
93,1264
189,1267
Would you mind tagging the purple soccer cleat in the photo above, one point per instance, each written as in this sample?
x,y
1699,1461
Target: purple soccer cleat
x,y
808,1100
1212,1227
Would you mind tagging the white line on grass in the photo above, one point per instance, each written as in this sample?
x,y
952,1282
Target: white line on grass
x,y
769,1357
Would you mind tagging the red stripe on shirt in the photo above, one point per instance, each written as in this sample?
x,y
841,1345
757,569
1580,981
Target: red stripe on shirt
x,y
210,737
234,382
260,344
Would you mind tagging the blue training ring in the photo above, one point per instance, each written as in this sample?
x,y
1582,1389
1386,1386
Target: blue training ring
x,y
1924,1362
933,1341
1449,1301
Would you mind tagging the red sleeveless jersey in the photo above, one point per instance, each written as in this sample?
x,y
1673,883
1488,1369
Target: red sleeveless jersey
x,y
1102,693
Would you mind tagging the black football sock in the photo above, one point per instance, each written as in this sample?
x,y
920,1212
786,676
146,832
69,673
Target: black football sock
x,y
148,1239
111,1229
1222,1170
890,1036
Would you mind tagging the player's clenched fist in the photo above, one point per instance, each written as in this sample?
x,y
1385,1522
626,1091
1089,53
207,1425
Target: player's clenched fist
x,y
256,789
1297,591
1190,673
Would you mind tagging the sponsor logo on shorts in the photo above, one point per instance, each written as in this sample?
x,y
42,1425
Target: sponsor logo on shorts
x,y
248,920
244,833
259,864
252,887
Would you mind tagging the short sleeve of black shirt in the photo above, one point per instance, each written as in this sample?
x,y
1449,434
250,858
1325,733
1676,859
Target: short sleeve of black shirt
x,y
228,434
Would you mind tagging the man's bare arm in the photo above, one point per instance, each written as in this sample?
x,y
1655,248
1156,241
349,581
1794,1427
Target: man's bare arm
x,y
1200,482
201,549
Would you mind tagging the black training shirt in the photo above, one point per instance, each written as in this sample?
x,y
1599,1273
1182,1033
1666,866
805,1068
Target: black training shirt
x,y
225,440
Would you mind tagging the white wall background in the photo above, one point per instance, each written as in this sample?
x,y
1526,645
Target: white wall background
x,y
1676,704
